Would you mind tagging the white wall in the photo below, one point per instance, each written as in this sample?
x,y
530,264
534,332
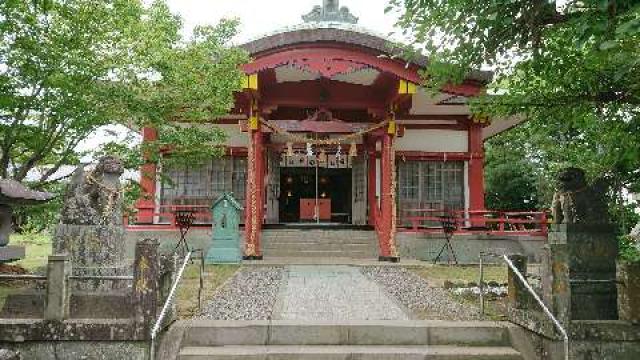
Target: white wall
x,y
433,141
236,137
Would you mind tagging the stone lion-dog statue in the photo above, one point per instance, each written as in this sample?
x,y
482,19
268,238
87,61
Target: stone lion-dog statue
x,y
577,202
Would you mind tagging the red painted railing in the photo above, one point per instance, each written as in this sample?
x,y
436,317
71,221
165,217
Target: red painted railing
x,y
165,219
480,221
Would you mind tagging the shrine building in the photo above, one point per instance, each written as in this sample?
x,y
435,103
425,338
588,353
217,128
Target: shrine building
x,y
332,129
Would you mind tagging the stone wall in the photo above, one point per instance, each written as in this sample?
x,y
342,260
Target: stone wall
x,y
410,245
468,247
90,339
86,350
590,340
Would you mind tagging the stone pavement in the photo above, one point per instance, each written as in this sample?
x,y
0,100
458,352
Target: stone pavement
x,y
333,292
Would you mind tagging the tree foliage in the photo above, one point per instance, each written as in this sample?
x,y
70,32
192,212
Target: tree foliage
x,y
572,68
70,67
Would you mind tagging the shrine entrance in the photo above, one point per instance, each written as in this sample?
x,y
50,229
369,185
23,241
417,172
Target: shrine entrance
x,y
315,195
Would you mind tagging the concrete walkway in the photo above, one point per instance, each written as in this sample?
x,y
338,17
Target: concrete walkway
x,y
333,292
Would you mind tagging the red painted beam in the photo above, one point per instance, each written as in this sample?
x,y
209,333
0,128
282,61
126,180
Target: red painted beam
x,y
329,94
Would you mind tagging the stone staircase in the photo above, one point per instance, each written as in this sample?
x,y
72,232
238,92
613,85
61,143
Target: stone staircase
x,y
349,340
319,243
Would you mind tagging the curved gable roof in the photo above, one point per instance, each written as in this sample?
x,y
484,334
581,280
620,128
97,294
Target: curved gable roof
x,y
317,33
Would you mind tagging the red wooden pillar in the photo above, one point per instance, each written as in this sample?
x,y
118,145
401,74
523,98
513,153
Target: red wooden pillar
x,y
476,168
146,205
476,174
387,217
255,192
371,181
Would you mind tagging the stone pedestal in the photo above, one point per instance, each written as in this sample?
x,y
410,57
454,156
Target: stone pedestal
x,y
517,294
5,224
629,292
145,286
94,250
591,252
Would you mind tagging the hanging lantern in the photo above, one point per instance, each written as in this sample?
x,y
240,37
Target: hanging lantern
x,y
353,150
309,150
322,158
289,149
339,152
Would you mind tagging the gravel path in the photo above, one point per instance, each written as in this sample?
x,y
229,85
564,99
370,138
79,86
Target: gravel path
x,y
413,291
249,295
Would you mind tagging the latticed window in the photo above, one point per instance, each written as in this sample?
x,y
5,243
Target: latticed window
x,y
429,185
201,185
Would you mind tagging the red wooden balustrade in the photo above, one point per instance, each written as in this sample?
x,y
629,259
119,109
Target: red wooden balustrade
x,y
421,220
480,221
165,218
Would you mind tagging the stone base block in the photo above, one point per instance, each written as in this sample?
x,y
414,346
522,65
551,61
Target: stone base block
x,y
223,256
11,253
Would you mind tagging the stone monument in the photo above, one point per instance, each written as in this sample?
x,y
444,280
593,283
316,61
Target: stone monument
x,y
90,228
582,250
13,193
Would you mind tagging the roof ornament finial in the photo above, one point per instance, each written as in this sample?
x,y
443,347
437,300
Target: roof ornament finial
x,y
330,11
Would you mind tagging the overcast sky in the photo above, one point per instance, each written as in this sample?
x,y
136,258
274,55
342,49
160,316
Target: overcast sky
x,y
263,16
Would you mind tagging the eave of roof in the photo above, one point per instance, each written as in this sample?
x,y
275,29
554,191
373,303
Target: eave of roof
x,y
343,33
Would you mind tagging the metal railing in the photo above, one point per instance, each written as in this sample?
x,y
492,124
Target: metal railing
x,y
521,278
156,327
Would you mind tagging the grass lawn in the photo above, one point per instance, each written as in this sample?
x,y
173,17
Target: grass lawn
x,y
38,248
187,294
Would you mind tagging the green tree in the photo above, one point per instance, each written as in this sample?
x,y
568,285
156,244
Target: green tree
x,y
71,67
572,68
511,180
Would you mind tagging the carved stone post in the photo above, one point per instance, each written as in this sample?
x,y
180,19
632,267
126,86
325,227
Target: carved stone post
x,y
57,302
517,293
145,285
556,282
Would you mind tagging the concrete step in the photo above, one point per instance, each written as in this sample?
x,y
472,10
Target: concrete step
x,y
300,239
317,253
318,246
204,333
369,352
289,243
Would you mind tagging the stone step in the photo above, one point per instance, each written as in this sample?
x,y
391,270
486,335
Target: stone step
x,y
318,246
369,352
204,333
286,243
317,253
304,238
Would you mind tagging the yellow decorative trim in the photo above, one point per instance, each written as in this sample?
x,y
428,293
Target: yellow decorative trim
x,y
407,88
250,82
481,119
254,122
391,129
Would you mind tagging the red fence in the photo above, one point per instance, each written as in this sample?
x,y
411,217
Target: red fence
x,y
421,220
165,219
481,221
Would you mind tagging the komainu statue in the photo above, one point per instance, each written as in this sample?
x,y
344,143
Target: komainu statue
x,y
94,197
577,202
91,229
